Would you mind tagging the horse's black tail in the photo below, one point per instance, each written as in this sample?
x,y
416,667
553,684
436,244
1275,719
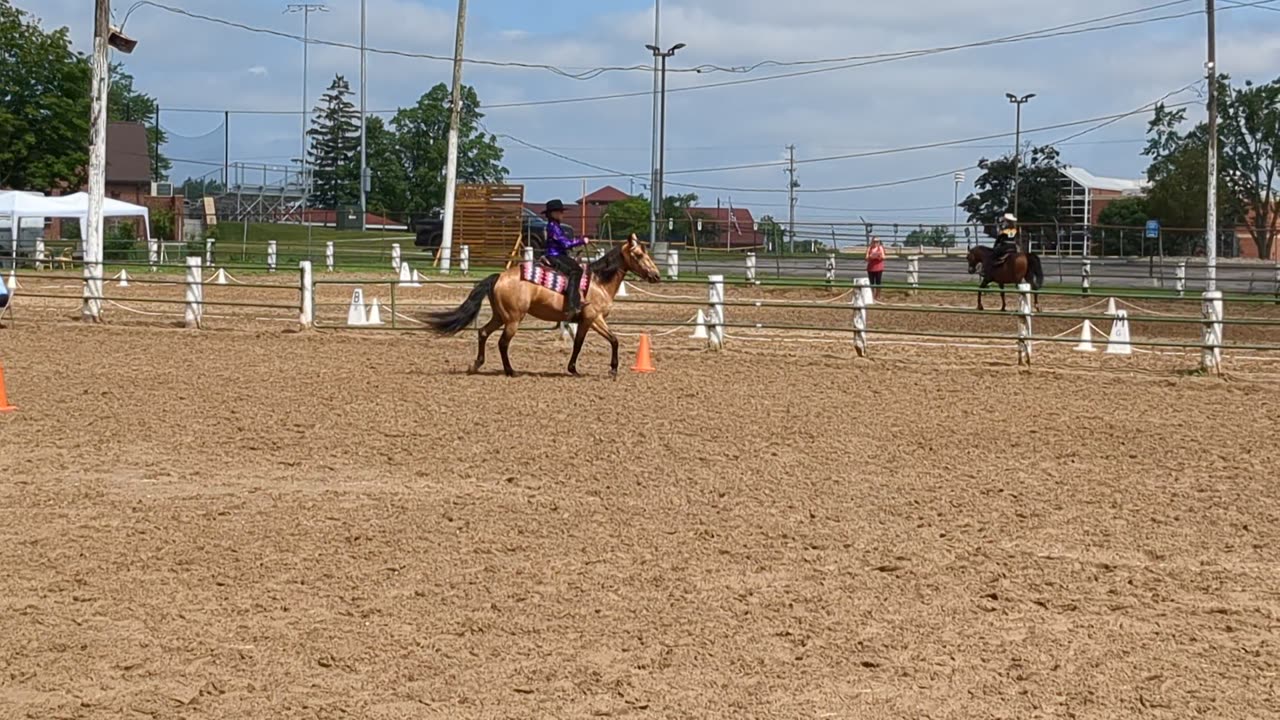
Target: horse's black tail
x,y
452,321
1037,272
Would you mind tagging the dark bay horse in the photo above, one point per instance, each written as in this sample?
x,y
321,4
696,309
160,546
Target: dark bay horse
x,y
512,299
1017,268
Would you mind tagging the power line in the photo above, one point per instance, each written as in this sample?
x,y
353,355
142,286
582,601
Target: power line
x,y
1098,122
1033,35
1108,119
1074,28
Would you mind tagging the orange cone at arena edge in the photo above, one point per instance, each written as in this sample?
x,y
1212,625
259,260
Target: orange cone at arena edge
x,y
644,356
4,400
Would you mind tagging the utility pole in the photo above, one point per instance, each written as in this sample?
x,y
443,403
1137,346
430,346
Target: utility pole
x,y
451,165
91,310
364,120
1211,215
792,184
955,205
659,191
654,204
1017,144
306,9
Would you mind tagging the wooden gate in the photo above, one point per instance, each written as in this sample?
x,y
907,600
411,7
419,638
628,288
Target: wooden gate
x,y
489,220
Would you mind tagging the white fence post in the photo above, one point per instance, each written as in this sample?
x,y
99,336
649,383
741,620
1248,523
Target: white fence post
x,y
1211,354
1180,278
209,245
328,256
153,253
913,273
308,305
673,264
831,269
751,270
271,256
715,320
860,321
395,256
1024,327
1086,270
92,308
862,288
40,254
195,292
464,259
527,254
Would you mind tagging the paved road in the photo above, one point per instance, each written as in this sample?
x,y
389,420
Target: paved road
x,y
1130,273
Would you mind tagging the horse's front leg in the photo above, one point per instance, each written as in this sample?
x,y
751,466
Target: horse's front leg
x,y
981,286
1003,308
584,326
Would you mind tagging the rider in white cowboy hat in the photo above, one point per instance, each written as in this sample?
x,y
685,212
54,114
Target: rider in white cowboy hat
x,y
1006,239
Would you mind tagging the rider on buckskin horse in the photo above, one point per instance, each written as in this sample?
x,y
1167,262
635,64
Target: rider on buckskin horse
x,y
557,256
1006,240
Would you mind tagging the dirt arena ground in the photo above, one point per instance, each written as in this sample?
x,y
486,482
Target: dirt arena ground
x,y
251,522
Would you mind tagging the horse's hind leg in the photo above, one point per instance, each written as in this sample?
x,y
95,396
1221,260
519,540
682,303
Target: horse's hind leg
x,y
494,323
504,343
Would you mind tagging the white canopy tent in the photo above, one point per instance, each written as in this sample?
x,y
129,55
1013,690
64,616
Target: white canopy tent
x,y
19,205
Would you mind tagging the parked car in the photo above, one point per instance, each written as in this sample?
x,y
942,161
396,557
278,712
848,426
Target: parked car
x,y
428,231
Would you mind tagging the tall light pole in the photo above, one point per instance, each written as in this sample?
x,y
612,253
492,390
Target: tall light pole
x,y
364,120
306,9
661,56
1211,211
104,38
955,206
451,160
653,137
1017,144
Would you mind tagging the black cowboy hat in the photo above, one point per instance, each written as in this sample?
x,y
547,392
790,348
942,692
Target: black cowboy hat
x,y
553,206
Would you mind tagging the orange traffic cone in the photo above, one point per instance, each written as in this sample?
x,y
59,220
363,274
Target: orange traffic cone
x,y
4,399
644,357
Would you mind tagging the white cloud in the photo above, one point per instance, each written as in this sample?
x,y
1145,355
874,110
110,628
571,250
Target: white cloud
x,y
258,70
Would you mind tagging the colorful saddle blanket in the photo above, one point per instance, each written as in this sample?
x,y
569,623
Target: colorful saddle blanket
x,y
544,276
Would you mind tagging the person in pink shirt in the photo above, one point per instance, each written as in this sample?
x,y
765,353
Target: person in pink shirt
x,y
875,265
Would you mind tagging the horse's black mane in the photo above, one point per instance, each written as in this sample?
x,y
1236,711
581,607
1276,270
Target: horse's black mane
x,y
608,267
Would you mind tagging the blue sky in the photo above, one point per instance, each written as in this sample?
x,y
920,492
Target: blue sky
x,y
187,63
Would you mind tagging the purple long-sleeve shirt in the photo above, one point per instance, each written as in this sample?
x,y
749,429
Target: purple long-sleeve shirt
x,y
557,242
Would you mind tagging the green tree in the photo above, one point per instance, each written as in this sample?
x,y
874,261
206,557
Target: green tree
x,y
388,182
193,188
626,217
334,152
422,133
771,231
1039,188
126,104
1127,212
44,106
939,236
44,116
1248,144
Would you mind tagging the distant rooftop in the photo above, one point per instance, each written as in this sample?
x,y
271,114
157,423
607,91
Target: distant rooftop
x,y
1087,179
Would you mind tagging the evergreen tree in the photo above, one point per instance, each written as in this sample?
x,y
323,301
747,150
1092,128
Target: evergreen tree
x,y
334,153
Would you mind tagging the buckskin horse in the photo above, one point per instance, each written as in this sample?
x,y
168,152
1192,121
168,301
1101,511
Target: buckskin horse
x,y
530,289
1017,268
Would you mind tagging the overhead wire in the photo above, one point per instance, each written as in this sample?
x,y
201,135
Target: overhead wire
x,y
1073,28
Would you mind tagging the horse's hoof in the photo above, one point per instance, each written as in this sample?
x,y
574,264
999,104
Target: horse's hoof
x,y
473,370
574,372
613,373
